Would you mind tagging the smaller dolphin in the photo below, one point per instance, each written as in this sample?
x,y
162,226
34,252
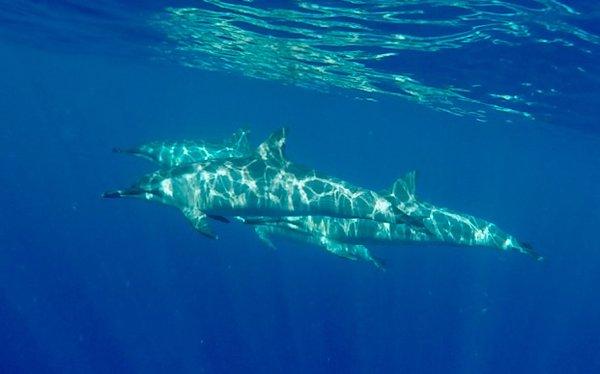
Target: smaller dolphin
x,y
170,154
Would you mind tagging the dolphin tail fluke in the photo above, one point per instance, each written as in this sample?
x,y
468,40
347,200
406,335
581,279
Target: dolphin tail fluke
x,y
528,249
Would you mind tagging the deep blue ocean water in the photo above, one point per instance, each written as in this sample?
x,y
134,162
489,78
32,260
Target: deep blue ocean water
x,y
95,286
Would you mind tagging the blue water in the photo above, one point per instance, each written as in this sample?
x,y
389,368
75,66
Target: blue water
x,y
94,286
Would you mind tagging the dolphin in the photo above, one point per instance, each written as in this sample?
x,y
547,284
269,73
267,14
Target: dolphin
x,y
265,184
170,154
427,224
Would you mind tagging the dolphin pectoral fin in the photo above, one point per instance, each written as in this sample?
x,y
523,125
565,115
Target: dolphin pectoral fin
x,y
263,235
218,218
335,250
199,220
379,263
362,253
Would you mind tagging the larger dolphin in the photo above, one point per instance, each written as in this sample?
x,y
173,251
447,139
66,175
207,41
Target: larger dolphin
x,y
265,184
426,224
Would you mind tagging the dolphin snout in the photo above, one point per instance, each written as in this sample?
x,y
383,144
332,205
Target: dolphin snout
x,y
122,193
112,194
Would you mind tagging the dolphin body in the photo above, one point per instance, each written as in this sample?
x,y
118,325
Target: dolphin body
x,y
265,184
170,154
428,224
345,237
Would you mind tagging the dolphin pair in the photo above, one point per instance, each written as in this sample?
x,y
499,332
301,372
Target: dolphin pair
x,y
280,198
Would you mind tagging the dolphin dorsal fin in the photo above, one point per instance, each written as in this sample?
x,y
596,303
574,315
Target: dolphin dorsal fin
x,y
403,188
274,147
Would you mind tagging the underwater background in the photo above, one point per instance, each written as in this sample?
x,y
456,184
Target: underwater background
x,y
495,103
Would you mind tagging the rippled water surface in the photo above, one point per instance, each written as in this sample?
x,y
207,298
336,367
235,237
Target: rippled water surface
x,y
535,59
